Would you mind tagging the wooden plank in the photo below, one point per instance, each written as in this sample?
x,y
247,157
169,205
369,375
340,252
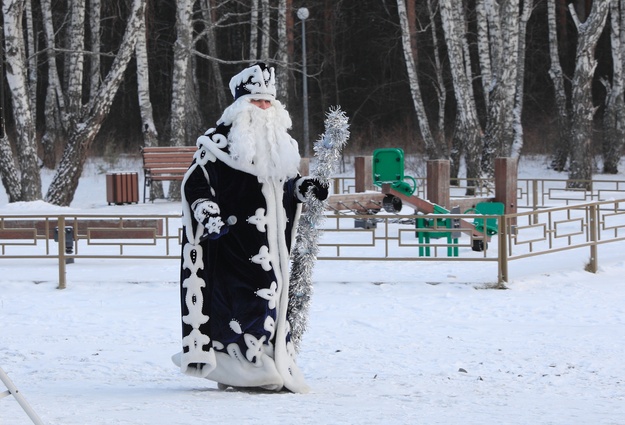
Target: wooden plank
x,y
363,203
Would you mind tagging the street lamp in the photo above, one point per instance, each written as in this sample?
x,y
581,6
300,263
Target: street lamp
x,y
302,14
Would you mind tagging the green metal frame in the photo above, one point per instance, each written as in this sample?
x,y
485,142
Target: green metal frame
x,y
487,225
388,167
447,223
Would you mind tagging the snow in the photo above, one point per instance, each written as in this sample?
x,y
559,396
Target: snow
x,y
388,342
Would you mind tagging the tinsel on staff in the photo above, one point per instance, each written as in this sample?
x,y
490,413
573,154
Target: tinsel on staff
x,y
328,153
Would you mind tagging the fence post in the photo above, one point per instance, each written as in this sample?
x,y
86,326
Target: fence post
x,y
364,173
502,260
506,176
438,182
593,223
535,199
61,246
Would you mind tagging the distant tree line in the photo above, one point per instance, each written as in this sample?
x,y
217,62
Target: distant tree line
x,y
458,79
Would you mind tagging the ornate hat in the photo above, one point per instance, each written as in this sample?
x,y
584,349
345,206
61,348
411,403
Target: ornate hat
x,y
256,82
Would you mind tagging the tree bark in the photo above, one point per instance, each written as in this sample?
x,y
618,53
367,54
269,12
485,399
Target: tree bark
x,y
517,124
266,30
469,132
54,130
583,110
208,12
8,171
441,90
561,148
253,30
75,58
31,53
182,56
614,116
282,76
504,42
15,60
415,90
148,129
95,9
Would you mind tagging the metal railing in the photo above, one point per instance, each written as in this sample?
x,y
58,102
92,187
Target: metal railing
x,y
380,237
531,193
95,236
521,235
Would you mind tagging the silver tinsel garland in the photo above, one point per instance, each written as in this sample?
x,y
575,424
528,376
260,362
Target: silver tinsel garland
x,y
328,153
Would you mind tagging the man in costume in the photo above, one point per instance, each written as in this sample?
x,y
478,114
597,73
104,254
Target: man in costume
x,y
241,202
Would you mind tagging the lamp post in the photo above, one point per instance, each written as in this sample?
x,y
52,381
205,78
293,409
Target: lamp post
x,y
302,14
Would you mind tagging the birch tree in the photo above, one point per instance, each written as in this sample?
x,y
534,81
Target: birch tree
x,y
468,132
282,56
54,128
266,30
561,149
583,110
209,12
31,52
95,9
180,80
517,145
8,171
86,120
254,12
415,91
441,90
148,128
503,39
16,75
614,116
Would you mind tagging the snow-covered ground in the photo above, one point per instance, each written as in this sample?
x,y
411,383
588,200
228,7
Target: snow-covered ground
x,y
388,342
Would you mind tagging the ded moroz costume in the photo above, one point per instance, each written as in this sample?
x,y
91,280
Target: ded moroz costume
x,y
241,202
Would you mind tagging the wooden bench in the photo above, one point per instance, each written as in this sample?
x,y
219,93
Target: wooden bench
x,y
165,163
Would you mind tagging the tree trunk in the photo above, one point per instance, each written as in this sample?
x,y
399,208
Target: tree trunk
x,y
81,136
411,68
31,53
583,110
8,171
75,58
253,30
469,132
182,56
282,76
15,60
208,12
517,124
148,129
266,30
483,48
441,90
95,9
54,131
561,148
614,116
504,42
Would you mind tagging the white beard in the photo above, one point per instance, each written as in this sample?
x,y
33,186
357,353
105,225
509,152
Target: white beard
x,y
259,141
